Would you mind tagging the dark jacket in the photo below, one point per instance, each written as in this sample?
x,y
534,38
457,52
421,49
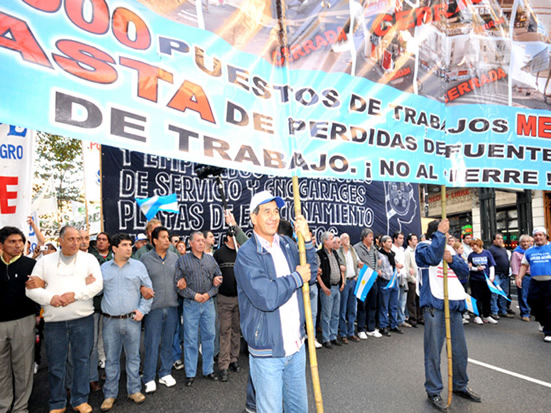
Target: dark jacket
x,y
260,293
326,267
14,304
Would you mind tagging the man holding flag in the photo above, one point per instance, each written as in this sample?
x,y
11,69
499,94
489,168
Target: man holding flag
x,y
429,256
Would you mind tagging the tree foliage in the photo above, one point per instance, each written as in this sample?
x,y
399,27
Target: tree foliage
x,y
61,158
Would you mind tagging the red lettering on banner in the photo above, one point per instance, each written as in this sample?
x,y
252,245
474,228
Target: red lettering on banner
x,y
474,83
22,40
100,15
6,195
49,6
121,19
80,57
192,96
148,77
535,126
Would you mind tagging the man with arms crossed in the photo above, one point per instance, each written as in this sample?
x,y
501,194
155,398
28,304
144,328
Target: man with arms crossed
x,y
272,310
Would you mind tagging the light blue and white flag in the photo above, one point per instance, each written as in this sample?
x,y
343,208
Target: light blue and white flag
x,y
366,279
470,303
393,281
150,206
496,289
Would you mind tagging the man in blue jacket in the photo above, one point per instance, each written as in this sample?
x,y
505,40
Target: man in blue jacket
x,y
269,277
429,256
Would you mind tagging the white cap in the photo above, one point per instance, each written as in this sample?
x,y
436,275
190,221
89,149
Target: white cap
x,y
141,237
52,244
539,229
264,197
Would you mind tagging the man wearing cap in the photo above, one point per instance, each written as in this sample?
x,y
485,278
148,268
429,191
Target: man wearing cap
x,y
141,240
538,258
268,274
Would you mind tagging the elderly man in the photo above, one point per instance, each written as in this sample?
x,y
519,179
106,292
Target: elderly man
x,y
367,311
17,322
349,259
429,257
331,283
538,258
123,308
71,280
202,277
269,276
525,242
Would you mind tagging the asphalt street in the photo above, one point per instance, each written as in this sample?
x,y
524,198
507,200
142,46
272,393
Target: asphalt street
x,y
377,375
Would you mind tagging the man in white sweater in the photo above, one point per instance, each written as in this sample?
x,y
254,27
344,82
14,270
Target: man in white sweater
x,y
64,283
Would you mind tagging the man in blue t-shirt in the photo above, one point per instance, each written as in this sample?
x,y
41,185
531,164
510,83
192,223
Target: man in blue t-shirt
x,y
538,258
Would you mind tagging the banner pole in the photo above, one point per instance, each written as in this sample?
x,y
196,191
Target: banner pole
x,y
308,309
447,309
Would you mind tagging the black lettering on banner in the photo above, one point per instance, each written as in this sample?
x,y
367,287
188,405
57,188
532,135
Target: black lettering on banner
x,y
75,111
123,121
392,168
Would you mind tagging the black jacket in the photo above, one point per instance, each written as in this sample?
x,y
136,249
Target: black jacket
x,y
14,304
326,267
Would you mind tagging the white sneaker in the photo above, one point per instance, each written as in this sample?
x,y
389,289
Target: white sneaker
x,y
465,321
101,364
540,328
150,386
547,339
362,335
168,381
490,320
178,365
35,368
466,316
374,333
317,344
478,320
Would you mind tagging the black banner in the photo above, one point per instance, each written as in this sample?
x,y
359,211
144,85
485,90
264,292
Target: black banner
x,y
336,205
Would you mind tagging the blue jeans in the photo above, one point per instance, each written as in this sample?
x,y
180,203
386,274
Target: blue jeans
x,y
402,299
388,304
330,306
280,381
523,297
348,308
314,290
199,316
435,334
160,325
178,343
79,334
498,304
94,358
119,334
250,401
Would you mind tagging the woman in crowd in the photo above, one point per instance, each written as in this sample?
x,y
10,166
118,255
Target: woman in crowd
x,y
482,265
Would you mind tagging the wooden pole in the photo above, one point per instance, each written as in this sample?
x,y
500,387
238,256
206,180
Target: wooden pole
x,y
447,310
308,310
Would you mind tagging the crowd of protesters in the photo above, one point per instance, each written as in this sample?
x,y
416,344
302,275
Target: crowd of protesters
x,y
90,302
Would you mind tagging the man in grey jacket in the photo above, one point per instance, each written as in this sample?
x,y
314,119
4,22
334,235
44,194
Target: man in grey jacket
x,y
368,255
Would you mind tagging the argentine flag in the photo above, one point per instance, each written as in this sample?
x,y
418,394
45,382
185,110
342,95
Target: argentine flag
x,y
470,303
150,206
496,289
392,282
366,279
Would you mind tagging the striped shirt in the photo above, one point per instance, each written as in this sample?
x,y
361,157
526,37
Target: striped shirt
x,y
199,274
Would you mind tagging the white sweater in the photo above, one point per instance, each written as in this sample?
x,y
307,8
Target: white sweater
x,y
60,278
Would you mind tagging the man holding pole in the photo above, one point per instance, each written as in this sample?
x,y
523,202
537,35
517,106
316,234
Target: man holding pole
x,y
429,256
272,311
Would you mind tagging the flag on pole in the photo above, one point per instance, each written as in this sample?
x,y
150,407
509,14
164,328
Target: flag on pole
x,y
366,279
392,282
470,303
496,289
150,206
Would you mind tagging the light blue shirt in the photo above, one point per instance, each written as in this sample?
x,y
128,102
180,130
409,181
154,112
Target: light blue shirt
x,y
121,288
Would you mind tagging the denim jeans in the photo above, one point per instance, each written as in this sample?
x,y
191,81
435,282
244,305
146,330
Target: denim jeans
x,y
388,304
119,334
523,297
79,333
199,316
178,343
160,325
367,310
402,299
435,334
250,401
94,357
314,290
280,382
348,308
330,307
498,304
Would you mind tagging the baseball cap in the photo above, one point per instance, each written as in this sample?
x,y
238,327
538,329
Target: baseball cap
x,y
141,237
539,229
264,197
